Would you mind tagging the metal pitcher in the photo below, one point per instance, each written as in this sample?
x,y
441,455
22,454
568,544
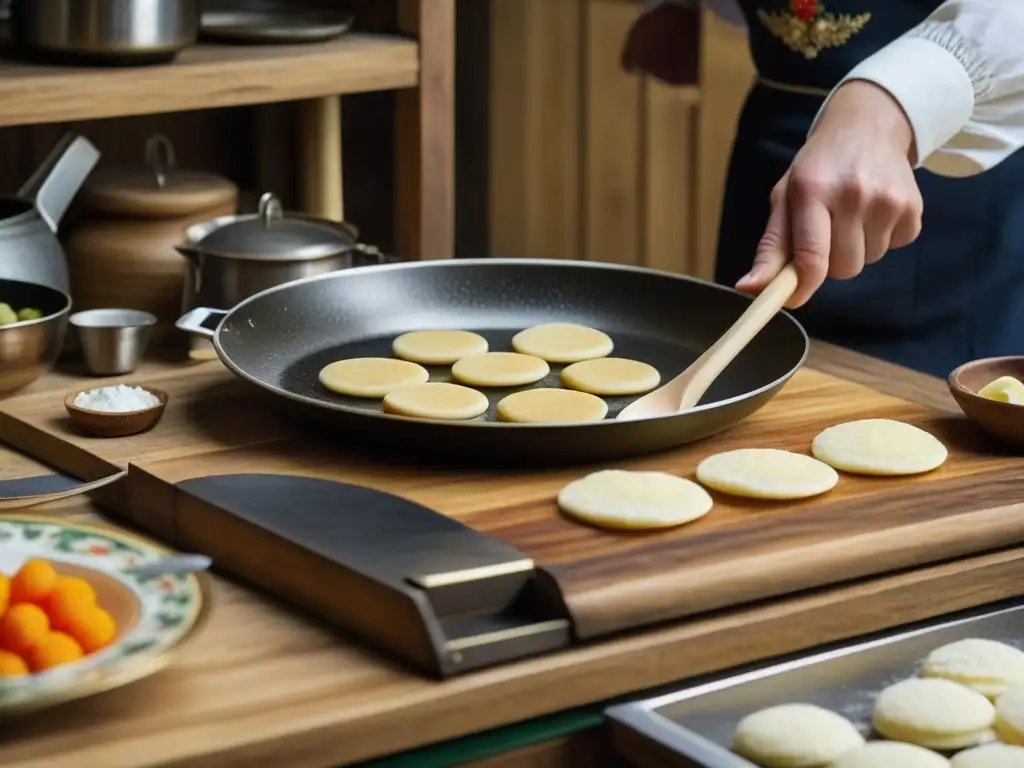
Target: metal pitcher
x,y
29,249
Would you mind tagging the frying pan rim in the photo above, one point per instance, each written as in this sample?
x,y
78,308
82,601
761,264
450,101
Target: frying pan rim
x,y
472,424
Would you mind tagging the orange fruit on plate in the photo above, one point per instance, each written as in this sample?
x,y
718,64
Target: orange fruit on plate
x,y
55,649
70,596
5,593
23,626
33,582
93,628
12,665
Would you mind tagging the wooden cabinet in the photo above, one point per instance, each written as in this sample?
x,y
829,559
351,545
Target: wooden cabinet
x,y
590,162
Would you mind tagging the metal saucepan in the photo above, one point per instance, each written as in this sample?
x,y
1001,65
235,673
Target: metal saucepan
x,y
280,339
29,348
126,32
29,249
235,257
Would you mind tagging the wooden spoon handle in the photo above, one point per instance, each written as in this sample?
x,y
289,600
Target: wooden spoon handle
x,y
709,365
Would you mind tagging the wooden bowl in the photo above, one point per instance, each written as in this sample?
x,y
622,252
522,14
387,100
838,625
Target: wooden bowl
x,y
1003,421
105,424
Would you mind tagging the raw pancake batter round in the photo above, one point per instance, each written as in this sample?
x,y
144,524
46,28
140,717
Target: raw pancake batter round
x,y
933,713
879,447
551,406
611,376
500,369
993,755
563,342
890,754
438,347
987,666
621,499
766,473
1010,716
794,736
371,377
436,400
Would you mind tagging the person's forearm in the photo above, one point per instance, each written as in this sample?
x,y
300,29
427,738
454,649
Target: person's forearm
x,y
959,80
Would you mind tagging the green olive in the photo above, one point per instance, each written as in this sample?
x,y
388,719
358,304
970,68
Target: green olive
x,y
29,313
7,315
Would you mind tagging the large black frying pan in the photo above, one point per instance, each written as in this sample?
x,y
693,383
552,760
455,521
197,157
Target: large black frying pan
x,y
280,339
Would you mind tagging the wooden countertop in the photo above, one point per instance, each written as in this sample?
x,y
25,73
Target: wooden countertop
x,y
262,685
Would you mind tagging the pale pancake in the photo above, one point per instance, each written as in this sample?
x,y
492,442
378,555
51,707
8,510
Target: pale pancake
x,y
987,666
500,369
766,473
551,406
371,377
563,342
438,347
933,713
794,736
1005,389
993,755
890,754
619,499
436,400
611,376
879,447
1010,716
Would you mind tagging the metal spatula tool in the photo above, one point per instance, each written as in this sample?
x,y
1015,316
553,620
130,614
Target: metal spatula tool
x,y
685,390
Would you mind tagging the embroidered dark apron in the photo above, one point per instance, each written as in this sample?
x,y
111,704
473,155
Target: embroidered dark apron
x,y
955,294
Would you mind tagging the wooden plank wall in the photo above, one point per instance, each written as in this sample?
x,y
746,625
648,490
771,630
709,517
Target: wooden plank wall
x,y
589,162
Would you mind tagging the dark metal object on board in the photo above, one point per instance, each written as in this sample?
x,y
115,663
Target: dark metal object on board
x,y
279,340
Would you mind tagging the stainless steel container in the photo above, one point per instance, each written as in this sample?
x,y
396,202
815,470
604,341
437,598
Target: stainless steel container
x,y
114,31
113,340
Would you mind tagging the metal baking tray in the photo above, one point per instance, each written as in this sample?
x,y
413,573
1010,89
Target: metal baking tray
x,y
694,726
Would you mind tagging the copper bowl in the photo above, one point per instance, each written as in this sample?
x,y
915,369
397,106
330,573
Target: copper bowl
x,y
1003,421
107,424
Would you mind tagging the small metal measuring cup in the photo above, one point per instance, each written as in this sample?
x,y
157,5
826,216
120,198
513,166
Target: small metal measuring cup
x,y
113,340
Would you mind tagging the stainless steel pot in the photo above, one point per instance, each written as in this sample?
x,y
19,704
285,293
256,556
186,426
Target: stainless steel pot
x,y
29,349
129,31
235,257
29,249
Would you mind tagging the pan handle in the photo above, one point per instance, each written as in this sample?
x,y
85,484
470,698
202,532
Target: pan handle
x,y
201,321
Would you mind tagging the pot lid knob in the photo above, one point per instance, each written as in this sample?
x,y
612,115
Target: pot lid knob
x,y
160,158
270,209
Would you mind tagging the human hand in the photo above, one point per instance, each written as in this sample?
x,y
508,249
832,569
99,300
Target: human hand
x,y
849,196
665,43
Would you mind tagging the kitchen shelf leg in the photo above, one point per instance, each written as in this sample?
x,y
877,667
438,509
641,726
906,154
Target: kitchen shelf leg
x,y
320,146
425,136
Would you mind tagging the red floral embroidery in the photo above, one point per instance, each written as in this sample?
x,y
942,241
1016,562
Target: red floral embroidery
x,y
805,10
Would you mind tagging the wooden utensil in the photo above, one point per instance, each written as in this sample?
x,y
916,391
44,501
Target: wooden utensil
x,y
685,390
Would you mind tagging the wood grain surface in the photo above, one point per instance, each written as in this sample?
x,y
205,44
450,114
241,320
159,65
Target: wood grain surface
x,y
742,551
262,685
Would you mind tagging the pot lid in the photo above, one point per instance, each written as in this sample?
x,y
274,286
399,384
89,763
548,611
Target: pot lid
x,y
271,234
158,190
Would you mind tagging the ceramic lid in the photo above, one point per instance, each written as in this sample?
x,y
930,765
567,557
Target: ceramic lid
x,y
158,190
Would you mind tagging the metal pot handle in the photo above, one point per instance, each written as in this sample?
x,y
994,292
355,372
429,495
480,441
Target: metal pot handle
x,y
368,255
199,320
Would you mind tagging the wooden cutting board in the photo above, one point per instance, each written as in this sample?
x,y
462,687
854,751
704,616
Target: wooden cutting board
x,y
741,552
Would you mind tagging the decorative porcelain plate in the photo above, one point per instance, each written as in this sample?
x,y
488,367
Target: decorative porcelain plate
x,y
154,616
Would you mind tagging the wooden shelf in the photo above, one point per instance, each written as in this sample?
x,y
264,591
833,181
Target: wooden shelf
x,y
208,76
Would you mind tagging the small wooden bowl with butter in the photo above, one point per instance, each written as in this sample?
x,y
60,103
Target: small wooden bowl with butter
x,y
990,393
113,411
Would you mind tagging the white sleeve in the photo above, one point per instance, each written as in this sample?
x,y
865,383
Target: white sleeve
x,y
959,77
729,10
